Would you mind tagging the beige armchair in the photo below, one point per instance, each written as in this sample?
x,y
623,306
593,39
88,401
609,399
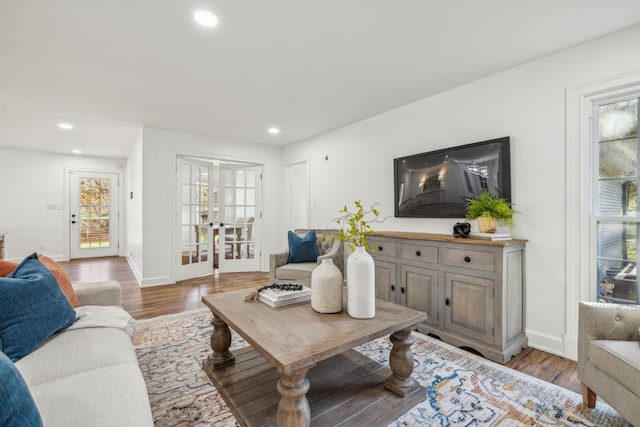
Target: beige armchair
x,y
328,247
609,356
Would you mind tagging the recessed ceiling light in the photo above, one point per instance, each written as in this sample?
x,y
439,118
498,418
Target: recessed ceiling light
x,y
76,151
67,126
274,131
205,18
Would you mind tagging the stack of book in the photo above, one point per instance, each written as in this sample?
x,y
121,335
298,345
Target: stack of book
x,y
491,236
278,297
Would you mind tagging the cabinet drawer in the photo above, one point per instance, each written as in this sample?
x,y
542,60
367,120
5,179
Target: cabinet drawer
x,y
474,259
420,253
382,247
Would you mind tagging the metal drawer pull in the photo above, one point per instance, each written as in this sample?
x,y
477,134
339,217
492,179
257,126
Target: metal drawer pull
x,y
402,290
418,253
447,301
393,288
467,259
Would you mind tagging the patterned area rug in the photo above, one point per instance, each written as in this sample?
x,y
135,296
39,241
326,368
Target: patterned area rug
x,y
462,389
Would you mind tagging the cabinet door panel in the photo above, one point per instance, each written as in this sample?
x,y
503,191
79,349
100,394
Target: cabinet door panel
x,y
469,306
421,288
385,279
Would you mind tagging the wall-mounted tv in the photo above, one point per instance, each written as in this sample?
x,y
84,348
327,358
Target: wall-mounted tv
x,y
437,184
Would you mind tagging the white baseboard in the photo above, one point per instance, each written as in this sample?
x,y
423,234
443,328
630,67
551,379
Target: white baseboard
x,y
155,281
550,343
571,347
135,271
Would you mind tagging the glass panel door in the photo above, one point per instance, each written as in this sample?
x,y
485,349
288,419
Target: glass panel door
x,y
93,214
195,227
238,242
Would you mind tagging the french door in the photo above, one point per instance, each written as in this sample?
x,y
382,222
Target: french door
x,y
93,214
195,228
240,218
218,217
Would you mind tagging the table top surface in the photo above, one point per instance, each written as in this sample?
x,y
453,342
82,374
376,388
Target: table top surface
x,y
295,336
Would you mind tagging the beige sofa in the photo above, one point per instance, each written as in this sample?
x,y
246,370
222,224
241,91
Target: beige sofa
x,y
609,356
328,247
89,376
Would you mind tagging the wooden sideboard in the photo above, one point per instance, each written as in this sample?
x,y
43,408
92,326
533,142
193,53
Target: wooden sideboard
x,y
472,290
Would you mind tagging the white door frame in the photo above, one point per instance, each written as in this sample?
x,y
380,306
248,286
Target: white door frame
x,y
578,190
67,207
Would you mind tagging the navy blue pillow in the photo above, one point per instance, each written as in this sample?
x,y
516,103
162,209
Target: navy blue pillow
x,y
302,249
32,308
17,408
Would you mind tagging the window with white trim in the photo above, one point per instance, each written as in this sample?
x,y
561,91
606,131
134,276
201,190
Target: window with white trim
x,y
616,216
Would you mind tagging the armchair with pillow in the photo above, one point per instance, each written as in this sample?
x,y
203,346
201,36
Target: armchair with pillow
x,y
609,356
307,249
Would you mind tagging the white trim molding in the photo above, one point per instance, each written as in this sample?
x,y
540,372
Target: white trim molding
x,y
579,101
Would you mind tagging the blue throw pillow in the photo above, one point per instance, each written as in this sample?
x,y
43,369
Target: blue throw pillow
x,y
32,308
302,249
17,408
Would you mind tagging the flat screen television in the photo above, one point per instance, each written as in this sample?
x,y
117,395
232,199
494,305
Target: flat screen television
x,y
437,184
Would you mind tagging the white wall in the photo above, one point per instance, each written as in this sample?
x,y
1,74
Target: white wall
x,y
296,196
134,210
526,103
159,149
31,181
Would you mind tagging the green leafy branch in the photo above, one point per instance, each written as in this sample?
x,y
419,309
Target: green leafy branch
x,y
356,225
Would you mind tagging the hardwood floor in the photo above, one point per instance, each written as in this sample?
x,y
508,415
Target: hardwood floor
x,y
154,301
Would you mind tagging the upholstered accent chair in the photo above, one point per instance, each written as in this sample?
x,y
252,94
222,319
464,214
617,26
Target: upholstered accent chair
x,y
609,356
328,247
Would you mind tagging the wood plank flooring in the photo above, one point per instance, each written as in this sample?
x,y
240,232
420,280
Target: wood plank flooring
x,y
144,303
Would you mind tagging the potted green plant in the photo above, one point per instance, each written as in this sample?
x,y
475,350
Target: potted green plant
x,y
488,209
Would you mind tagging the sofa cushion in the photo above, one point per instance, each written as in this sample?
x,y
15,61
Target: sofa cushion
x,y
302,249
6,267
115,395
17,408
93,348
618,359
62,278
32,308
296,271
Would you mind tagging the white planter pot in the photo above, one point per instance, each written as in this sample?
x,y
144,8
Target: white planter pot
x,y
361,286
326,288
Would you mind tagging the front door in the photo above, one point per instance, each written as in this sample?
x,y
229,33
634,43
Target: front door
x,y
94,215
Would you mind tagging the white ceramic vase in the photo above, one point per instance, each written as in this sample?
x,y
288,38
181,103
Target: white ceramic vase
x,y
361,286
326,287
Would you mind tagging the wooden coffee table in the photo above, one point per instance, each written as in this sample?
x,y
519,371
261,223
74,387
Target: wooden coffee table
x,y
301,368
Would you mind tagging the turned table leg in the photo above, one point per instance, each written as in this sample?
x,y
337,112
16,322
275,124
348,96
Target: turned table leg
x,y
293,409
220,343
401,363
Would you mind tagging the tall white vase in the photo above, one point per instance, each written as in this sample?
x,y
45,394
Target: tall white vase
x,y
326,287
361,286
